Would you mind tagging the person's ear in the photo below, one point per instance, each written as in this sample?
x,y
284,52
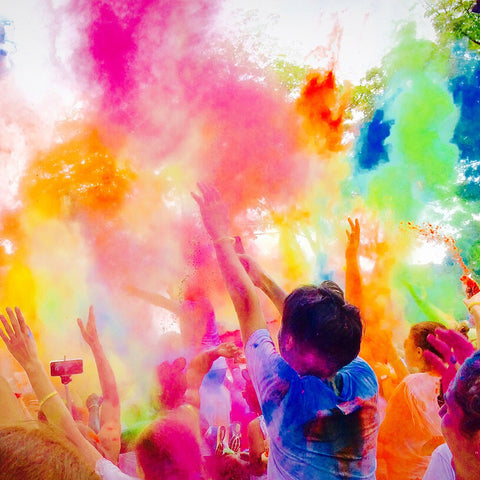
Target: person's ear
x,y
288,343
419,352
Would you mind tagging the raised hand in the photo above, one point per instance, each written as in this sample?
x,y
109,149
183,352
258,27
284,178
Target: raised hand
x,y
89,332
353,238
454,349
18,338
214,211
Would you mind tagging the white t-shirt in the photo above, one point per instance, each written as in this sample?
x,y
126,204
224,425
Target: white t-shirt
x,y
108,471
440,467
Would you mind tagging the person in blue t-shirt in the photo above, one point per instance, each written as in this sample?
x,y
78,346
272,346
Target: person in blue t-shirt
x,y
318,399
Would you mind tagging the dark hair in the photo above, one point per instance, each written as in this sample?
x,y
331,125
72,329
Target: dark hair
x,y
467,394
168,449
320,321
333,287
419,333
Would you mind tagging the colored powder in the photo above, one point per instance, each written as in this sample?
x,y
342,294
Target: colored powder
x,y
371,143
323,105
78,177
431,232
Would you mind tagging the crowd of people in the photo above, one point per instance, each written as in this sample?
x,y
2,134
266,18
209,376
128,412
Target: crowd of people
x,y
326,398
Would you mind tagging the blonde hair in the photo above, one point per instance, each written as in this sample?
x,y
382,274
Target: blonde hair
x,y
31,450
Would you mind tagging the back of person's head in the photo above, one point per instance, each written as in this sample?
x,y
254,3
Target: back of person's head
x,y
168,449
33,451
172,381
319,323
419,333
467,395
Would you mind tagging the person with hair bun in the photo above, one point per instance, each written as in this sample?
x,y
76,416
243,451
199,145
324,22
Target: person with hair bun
x,y
411,428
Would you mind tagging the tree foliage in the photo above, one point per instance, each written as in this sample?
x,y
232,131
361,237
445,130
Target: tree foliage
x,y
454,20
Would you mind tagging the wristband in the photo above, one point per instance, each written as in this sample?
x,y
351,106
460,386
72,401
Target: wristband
x,y
48,397
222,239
470,305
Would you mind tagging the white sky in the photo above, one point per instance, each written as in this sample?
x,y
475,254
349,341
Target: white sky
x,y
297,28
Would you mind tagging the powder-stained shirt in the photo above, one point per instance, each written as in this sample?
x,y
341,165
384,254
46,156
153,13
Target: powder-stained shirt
x,y
411,425
315,433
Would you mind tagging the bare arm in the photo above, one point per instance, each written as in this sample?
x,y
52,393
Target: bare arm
x,y
264,282
11,410
110,409
156,299
239,285
256,448
200,366
21,344
353,279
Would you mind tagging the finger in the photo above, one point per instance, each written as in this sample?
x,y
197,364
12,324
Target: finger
x,y
351,223
14,321
203,188
21,321
198,199
461,346
5,339
81,326
435,361
7,327
441,346
91,316
215,194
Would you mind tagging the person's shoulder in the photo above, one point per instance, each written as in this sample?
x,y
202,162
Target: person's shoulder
x,y
359,379
358,366
259,336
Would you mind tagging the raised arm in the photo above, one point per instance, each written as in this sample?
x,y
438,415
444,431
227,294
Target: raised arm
x,y
110,408
353,279
263,281
239,285
20,342
156,299
200,366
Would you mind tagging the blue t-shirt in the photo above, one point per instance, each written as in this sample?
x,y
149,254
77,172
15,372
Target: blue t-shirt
x,y
315,433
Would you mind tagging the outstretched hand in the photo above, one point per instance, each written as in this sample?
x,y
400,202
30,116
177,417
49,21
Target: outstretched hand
x,y
228,350
89,331
214,211
353,238
454,349
18,338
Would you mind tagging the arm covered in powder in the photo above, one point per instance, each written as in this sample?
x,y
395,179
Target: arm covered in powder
x,y
353,279
263,281
156,299
201,365
110,410
239,285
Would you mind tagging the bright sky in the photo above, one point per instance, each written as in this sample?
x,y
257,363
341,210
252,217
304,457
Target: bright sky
x,y
303,29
